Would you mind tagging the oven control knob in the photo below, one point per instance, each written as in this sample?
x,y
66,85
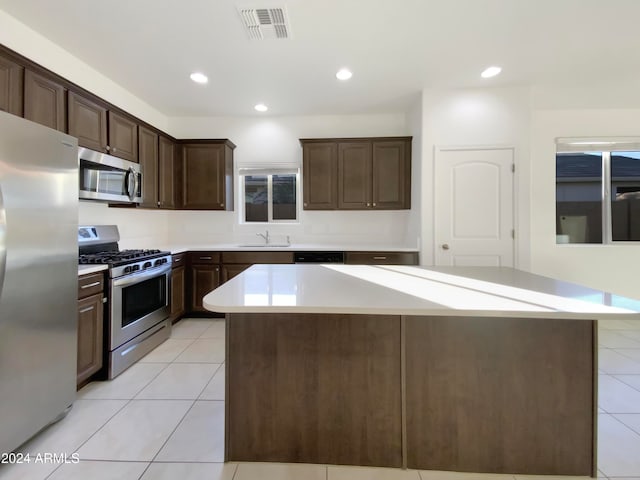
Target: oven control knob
x,y
146,265
157,262
127,269
135,268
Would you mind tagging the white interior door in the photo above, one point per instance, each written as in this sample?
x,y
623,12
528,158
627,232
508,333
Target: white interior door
x,y
474,206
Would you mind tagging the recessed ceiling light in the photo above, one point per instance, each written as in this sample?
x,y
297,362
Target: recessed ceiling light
x,y
344,74
491,72
199,77
261,107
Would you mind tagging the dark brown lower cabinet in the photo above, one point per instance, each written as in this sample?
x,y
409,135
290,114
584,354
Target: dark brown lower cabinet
x,y
234,263
381,258
90,326
177,293
204,276
231,270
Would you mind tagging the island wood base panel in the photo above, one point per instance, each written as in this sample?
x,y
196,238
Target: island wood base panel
x,y
440,393
313,388
500,395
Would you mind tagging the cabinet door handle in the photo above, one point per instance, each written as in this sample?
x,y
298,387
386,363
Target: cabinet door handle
x,y
305,204
368,204
113,150
108,148
176,260
222,204
205,258
89,285
88,309
379,258
374,204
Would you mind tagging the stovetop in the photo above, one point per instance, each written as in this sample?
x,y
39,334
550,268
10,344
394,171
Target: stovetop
x,y
116,258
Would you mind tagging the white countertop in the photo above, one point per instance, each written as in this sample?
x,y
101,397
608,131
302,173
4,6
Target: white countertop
x,y
308,247
405,290
85,269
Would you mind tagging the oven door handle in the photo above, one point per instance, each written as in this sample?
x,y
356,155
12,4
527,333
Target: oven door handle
x,y
140,277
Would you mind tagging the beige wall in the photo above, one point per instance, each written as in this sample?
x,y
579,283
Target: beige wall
x,y
39,49
262,140
608,267
528,119
259,139
478,117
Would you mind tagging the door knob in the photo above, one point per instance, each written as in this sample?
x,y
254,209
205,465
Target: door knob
x,y
445,246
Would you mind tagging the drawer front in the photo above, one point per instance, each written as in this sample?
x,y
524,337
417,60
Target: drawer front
x,y
257,257
381,258
178,260
90,284
204,258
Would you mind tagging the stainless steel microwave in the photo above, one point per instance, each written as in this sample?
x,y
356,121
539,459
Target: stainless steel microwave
x,y
108,178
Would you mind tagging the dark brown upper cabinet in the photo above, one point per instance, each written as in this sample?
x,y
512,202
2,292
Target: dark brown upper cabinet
x,y
357,173
148,157
100,129
391,174
207,175
319,179
354,175
157,155
186,174
11,86
44,101
87,122
168,174
123,137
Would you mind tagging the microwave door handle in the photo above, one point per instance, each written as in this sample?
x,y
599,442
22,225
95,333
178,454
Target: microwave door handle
x,y
136,184
130,189
127,181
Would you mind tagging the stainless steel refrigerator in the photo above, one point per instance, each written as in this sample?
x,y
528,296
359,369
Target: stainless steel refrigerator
x,y
38,277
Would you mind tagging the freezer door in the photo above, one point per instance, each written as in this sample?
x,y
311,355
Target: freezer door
x,y
38,287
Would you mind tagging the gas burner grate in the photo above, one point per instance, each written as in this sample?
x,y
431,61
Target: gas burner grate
x,y
118,257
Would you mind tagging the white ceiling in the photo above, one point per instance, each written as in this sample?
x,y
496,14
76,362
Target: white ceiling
x,y
394,48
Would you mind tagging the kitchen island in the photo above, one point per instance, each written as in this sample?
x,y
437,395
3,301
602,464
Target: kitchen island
x,y
465,369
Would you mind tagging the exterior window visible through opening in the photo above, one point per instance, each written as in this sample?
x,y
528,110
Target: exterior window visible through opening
x,y
598,192
269,197
625,196
579,197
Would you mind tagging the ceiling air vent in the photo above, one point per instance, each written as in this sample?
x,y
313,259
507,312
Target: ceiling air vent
x,y
265,23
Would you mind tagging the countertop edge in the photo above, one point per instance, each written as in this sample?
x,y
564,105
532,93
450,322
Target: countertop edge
x,y
225,309
86,269
175,249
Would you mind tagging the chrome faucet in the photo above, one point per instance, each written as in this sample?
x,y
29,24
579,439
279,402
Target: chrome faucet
x,y
265,236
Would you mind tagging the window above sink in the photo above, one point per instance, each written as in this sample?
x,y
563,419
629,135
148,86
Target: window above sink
x,y
269,195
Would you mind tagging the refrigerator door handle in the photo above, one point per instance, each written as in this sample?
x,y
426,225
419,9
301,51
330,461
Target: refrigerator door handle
x,y
3,244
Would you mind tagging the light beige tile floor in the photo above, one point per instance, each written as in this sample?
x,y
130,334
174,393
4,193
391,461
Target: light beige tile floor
x,y
163,419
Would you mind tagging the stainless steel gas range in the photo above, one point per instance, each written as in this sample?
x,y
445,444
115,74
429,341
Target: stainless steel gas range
x,y
139,292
